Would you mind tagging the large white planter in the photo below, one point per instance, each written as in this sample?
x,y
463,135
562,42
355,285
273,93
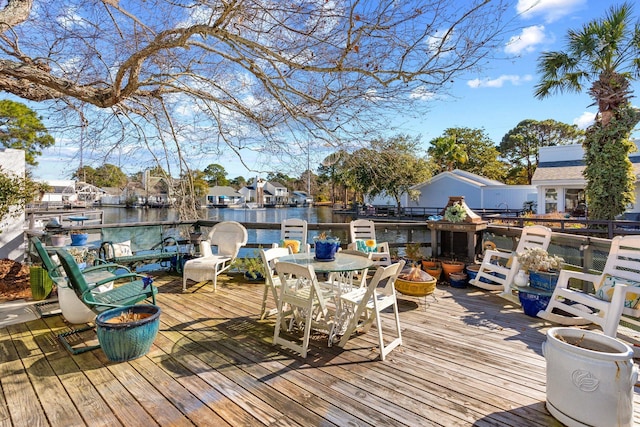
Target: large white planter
x,y
589,383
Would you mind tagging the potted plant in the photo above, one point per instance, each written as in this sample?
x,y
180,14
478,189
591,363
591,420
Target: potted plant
x,y
413,252
542,267
326,247
252,267
451,266
126,333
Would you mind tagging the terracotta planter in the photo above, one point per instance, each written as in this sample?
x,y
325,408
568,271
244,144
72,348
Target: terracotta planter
x,y
432,267
449,267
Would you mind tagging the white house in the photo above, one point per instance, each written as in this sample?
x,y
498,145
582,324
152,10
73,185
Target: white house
x,y
560,183
265,193
12,242
479,192
220,195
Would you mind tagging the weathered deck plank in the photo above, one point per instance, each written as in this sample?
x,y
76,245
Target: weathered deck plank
x,y
470,358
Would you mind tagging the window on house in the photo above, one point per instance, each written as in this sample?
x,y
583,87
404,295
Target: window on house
x,y
550,200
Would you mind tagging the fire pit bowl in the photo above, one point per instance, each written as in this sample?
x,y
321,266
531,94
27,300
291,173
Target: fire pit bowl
x,y
415,289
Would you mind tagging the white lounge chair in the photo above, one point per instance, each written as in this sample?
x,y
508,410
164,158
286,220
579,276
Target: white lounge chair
x,y
498,268
228,237
616,291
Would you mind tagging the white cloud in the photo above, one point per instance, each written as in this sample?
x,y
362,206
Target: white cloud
x,y
422,93
500,81
550,10
585,120
526,41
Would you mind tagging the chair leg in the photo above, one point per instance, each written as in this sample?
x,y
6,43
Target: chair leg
x,y
384,350
263,310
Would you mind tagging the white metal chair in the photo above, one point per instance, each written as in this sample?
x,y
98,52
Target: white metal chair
x,y
499,268
272,280
369,303
293,234
363,238
616,291
301,298
228,237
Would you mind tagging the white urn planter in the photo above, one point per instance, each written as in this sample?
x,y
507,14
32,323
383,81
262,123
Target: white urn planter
x,y
590,378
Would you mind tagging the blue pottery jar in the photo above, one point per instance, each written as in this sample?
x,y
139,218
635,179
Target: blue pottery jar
x,y
79,239
127,340
326,249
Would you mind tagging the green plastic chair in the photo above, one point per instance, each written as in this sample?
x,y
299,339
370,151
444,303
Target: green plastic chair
x,y
135,288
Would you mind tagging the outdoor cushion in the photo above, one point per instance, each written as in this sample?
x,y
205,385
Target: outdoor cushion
x,y
608,283
294,245
368,245
122,249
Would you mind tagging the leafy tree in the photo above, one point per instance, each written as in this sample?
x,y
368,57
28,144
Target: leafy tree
x,y
21,128
446,152
215,174
238,182
603,53
106,175
467,149
15,193
521,145
390,167
85,174
251,75
109,175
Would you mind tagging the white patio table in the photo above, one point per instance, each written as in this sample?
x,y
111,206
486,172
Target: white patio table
x,y
340,278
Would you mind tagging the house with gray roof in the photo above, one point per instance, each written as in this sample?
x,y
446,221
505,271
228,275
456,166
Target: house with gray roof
x,y
223,196
560,183
479,192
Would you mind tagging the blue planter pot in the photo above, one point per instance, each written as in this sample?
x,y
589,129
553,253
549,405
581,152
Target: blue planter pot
x,y
533,300
326,251
543,280
79,239
122,341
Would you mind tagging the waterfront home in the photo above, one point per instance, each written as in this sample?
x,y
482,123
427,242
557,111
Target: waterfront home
x,y
265,193
560,184
222,195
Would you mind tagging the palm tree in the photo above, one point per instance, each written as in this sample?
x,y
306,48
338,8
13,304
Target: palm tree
x,y
605,54
445,151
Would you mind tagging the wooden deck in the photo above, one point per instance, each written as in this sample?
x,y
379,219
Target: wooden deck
x,y
468,359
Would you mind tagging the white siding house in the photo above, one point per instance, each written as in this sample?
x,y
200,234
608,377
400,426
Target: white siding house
x,y
479,192
560,182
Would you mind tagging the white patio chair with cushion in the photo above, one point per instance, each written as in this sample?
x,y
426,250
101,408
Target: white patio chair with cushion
x,y
272,280
293,234
228,237
369,302
363,238
303,300
616,294
498,268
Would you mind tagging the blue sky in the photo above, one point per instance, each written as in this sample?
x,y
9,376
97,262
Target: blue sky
x,y
496,99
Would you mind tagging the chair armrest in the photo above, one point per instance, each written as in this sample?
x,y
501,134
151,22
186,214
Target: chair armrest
x,y
118,277
106,266
565,275
383,247
499,254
